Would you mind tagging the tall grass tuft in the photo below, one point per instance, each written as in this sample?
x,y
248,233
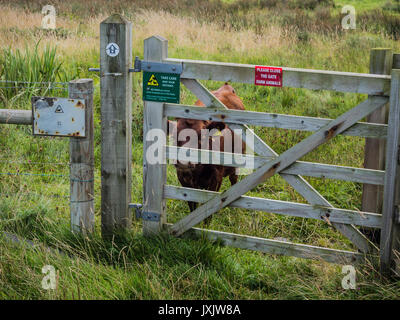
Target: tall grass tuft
x,y
24,73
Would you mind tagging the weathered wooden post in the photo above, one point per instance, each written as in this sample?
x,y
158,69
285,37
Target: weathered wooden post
x,y
390,237
116,118
82,163
374,158
154,175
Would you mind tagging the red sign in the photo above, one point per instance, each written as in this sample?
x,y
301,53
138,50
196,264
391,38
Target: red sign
x,y
268,76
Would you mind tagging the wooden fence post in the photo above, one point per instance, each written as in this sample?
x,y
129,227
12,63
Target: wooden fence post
x,y
82,163
154,175
390,237
116,123
372,196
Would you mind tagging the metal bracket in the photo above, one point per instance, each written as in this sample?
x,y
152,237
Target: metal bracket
x,y
146,216
150,66
151,216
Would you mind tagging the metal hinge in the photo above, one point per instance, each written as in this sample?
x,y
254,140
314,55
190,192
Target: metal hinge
x,y
144,215
150,66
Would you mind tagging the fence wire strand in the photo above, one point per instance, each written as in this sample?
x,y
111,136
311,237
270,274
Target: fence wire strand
x,y
37,86
35,163
35,82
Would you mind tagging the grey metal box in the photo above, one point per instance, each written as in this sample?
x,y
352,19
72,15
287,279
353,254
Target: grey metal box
x,y
58,117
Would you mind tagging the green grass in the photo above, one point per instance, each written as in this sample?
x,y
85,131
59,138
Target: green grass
x,y
132,267
363,4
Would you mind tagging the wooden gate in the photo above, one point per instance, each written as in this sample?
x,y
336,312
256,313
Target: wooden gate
x,y
381,90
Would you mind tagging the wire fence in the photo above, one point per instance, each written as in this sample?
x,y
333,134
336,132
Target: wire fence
x,y
33,87
12,90
14,84
34,163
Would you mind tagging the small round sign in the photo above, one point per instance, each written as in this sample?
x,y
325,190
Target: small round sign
x,y
112,49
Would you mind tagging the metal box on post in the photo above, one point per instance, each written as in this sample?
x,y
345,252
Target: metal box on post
x,y
62,117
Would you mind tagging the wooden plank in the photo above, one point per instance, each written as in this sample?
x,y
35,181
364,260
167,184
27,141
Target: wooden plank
x,y
116,121
292,209
10,116
310,169
154,175
297,182
81,153
204,156
328,171
283,161
396,61
278,247
374,158
292,77
271,120
390,234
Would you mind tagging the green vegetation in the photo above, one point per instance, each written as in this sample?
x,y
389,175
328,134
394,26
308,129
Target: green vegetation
x,y
36,207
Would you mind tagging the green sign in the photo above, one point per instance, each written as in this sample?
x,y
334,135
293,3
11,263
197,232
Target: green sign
x,y
161,87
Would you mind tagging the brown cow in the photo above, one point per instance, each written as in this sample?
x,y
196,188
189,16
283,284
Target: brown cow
x,y
208,176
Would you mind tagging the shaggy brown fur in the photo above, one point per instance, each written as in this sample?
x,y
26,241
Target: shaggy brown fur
x,y
207,176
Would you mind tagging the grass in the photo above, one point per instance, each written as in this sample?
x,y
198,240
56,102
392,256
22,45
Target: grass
x,y
131,267
363,4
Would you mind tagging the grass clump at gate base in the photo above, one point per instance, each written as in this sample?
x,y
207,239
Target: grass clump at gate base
x,y
36,207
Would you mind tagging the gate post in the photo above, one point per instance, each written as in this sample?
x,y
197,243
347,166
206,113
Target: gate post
x,y
390,237
374,158
154,175
116,123
81,151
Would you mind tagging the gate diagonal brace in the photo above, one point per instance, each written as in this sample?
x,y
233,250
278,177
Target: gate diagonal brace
x,y
144,215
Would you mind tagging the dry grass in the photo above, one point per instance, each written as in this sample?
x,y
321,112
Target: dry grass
x,y
18,25
211,37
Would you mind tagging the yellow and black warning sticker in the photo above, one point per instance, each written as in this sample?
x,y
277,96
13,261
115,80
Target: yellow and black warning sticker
x,y
153,81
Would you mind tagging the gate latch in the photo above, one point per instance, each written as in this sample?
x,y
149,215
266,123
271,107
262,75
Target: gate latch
x,y
144,215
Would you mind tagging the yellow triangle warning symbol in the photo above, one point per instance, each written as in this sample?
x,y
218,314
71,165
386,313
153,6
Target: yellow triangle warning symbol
x,y
152,81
